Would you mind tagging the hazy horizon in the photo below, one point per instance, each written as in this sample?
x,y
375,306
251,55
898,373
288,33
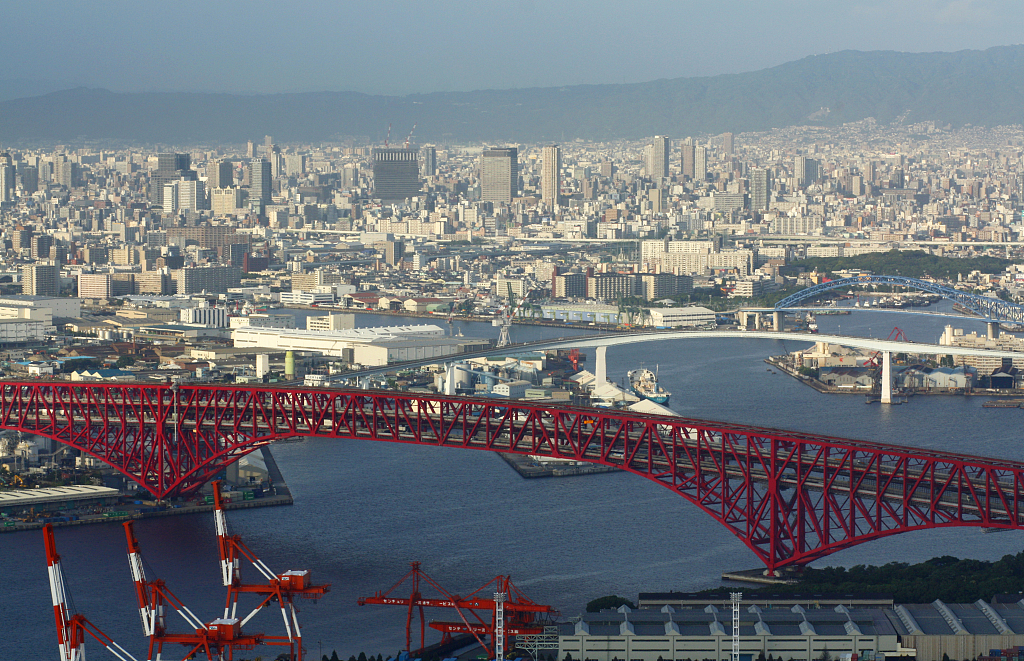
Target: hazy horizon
x,y
403,47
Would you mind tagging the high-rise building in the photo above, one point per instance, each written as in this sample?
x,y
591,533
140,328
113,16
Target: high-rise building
x,y
40,246
260,182
7,179
760,189
191,195
499,175
29,179
169,167
806,170
700,163
212,279
350,177
728,143
657,157
295,165
220,175
688,156
396,173
551,175
95,285
40,280
428,161
227,201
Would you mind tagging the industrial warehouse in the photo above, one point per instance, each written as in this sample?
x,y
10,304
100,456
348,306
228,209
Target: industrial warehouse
x,y
801,630
365,346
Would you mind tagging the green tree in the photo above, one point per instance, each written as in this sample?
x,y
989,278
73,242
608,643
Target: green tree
x,y
362,656
610,601
824,656
124,361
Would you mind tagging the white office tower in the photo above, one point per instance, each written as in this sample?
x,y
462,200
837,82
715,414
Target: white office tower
x,y
499,175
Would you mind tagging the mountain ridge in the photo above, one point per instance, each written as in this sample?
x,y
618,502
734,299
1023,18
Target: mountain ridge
x,y
962,87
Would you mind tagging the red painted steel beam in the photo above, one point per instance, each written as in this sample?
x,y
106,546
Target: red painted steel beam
x,y
791,497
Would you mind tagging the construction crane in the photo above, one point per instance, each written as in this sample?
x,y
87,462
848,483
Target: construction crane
x,y
280,588
72,628
218,639
896,334
509,611
409,137
507,314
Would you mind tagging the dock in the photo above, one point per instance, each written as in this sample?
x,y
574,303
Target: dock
x,y
528,468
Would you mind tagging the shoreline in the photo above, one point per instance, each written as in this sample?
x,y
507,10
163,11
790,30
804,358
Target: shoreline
x,y
281,497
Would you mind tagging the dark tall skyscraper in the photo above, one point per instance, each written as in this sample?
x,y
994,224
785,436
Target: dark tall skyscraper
x,y
396,174
260,181
169,167
760,189
689,153
220,174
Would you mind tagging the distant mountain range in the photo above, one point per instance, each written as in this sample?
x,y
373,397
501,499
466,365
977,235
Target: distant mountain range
x,y
967,87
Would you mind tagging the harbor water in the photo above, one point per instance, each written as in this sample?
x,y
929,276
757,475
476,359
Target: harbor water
x,y
364,510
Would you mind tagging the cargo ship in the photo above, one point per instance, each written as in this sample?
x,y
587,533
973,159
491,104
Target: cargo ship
x,y
645,384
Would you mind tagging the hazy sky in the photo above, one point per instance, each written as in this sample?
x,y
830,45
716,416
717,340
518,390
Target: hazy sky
x,y
399,47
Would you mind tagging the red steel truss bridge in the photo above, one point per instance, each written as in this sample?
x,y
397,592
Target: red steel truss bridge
x,y
790,497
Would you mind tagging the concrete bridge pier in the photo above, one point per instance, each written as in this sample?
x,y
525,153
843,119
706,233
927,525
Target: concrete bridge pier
x,y
780,320
757,321
886,377
741,319
993,330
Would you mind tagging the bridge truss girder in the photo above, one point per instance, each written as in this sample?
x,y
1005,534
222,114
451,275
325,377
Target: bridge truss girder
x,y
991,308
790,497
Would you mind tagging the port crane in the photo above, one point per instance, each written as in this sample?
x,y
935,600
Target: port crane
x,y
72,628
279,588
218,639
509,612
507,314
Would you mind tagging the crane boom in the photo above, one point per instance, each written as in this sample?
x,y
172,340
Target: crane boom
x,y
71,629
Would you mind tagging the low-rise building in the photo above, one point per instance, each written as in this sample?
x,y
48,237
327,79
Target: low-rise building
x,y
694,316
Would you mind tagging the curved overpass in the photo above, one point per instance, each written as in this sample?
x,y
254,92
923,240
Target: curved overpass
x,y
992,308
615,339
790,497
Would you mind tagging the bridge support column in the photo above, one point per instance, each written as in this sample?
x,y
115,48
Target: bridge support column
x,y
886,377
993,330
601,369
757,321
779,321
741,319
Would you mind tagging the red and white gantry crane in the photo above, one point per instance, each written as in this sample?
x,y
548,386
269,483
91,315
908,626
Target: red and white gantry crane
x,y
282,588
218,639
72,628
